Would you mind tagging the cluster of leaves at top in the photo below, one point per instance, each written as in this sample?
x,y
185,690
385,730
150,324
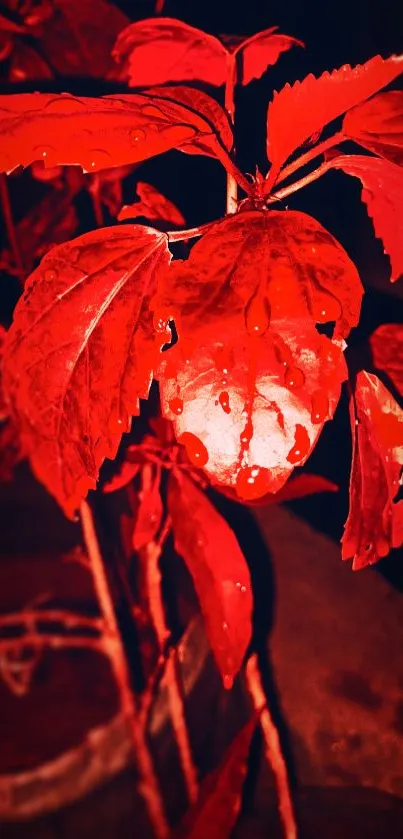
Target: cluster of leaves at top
x,y
254,374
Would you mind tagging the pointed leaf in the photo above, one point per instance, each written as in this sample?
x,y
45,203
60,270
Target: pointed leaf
x,y
66,130
383,195
251,381
217,808
262,51
125,476
301,109
159,50
81,351
153,206
77,39
218,569
7,25
149,513
378,125
387,352
375,519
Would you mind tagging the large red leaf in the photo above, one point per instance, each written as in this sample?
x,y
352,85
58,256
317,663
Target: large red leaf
x,y
100,133
375,519
251,381
300,110
218,569
378,125
216,811
153,206
158,50
77,39
81,351
383,195
387,352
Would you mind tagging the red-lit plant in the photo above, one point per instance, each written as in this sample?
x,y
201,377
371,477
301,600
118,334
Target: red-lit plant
x,y
262,308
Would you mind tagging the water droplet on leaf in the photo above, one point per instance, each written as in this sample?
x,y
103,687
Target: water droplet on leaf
x,y
301,446
138,135
320,407
325,308
252,482
195,449
247,433
257,315
176,405
294,378
50,275
115,425
224,401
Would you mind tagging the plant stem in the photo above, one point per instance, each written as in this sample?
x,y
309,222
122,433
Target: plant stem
x,y
159,5
148,786
191,233
334,140
272,747
96,201
308,179
229,104
10,227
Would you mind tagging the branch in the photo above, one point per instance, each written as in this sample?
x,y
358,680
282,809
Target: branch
x,y
229,104
301,161
297,185
272,747
191,233
30,618
10,228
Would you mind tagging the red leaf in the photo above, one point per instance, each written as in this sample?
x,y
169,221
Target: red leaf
x,y
262,51
206,107
26,65
152,206
125,476
81,351
149,513
375,519
219,572
78,37
383,195
158,50
298,111
254,378
387,352
7,25
298,486
378,125
216,811
66,130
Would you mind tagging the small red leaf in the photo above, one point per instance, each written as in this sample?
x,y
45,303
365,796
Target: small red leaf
x,y
375,519
78,37
262,51
66,130
387,352
152,206
255,378
219,571
383,195
159,50
81,351
298,111
298,486
125,476
216,811
378,125
149,513
26,64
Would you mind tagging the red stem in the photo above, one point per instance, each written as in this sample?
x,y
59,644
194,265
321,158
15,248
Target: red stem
x,y
10,227
275,176
229,104
288,190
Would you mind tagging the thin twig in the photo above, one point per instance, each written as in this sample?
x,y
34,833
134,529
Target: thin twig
x,y
36,617
272,747
94,189
191,233
10,227
229,104
309,155
148,787
177,708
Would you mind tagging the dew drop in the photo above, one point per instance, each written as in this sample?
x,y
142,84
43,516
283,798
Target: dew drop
x,y
247,433
319,407
283,355
326,308
138,135
160,321
294,378
115,425
257,315
224,401
152,111
195,449
178,133
176,405
50,275
301,445
99,159
252,482
228,681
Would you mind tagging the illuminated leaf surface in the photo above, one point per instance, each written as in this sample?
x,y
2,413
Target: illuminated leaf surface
x,y
378,125
153,206
218,569
383,196
302,109
387,352
158,50
375,519
251,381
216,811
98,133
81,351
